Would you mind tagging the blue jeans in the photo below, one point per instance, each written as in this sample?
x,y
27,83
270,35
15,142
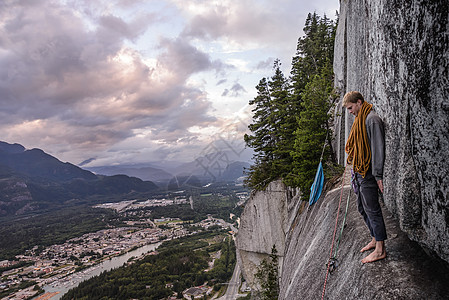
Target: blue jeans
x,y
368,205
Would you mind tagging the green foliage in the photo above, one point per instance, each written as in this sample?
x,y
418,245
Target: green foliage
x,y
312,81
313,128
184,212
218,200
314,51
291,117
272,129
217,204
224,266
268,276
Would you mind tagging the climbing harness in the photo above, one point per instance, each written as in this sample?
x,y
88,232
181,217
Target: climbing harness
x,y
332,264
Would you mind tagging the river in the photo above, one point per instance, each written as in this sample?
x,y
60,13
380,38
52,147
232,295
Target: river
x,y
60,287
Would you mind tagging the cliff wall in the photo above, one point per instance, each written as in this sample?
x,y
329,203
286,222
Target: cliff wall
x,y
396,53
263,223
407,272
303,237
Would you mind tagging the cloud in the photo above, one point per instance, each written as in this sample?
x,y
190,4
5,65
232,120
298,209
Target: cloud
x,y
235,91
243,22
77,79
244,25
265,64
74,88
112,28
221,81
183,59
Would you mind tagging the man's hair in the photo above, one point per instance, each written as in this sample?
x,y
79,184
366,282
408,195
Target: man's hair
x,y
352,97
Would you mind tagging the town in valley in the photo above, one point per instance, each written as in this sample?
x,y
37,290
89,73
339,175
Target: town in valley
x,y
58,264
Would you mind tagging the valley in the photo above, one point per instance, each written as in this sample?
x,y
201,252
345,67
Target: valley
x,y
125,226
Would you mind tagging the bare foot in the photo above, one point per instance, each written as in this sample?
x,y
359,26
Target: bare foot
x,y
371,245
374,256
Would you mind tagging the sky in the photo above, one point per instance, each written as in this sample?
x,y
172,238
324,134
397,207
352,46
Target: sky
x,y
111,82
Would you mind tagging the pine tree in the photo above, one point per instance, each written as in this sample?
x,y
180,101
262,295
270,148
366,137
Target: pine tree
x,y
313,129
284,122
291,115
313,52
262,139
268,276
312,85
269,135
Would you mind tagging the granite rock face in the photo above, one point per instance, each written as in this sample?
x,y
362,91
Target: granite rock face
x,y
303,237
263,224
396,53
407,272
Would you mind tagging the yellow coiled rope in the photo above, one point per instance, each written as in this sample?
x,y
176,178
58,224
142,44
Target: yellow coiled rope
x,y
357,146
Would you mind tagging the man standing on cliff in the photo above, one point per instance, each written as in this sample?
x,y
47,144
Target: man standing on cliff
x,y
366,152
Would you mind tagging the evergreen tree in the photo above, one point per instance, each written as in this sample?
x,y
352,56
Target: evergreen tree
x,y
312,86
313,129
268,276
261,140
268,130
284,123
285,144
313,52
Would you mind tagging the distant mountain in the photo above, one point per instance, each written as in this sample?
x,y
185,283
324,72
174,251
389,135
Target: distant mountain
x,y
209,169
38,164
183,182
195,173
33,180
145,173
11,148
234,171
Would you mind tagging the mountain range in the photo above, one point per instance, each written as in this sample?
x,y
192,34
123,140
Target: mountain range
x,y
230,172
32,180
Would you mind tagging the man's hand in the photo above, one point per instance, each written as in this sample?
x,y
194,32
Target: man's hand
x,y
381,185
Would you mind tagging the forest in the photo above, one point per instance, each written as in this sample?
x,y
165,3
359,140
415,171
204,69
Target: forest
x,y
291,126
178,265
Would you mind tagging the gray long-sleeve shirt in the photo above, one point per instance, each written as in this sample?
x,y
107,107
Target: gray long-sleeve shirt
x,y
376,137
